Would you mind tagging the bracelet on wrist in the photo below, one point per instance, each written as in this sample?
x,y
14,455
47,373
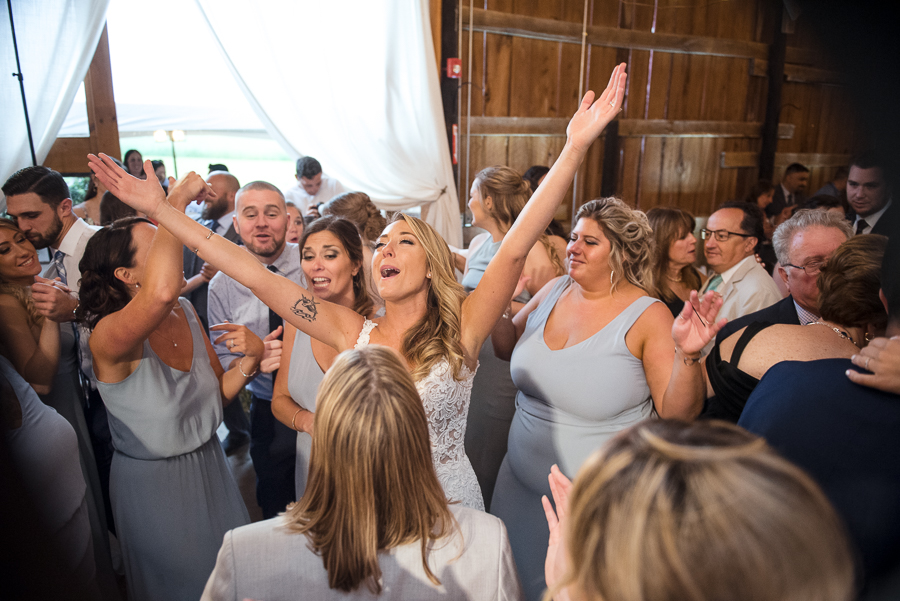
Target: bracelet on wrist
x,y
241,369
293,424
508,312
689,360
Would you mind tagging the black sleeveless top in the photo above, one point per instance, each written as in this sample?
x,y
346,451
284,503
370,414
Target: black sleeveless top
x,y
732,387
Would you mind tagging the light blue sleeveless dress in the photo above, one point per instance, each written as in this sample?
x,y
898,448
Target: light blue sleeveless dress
x,y
304,377
570,402
493,392
172,492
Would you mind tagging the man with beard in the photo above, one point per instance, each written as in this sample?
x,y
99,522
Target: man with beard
x,y
261,221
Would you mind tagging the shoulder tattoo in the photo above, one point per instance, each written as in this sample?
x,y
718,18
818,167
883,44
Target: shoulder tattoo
x,y
306,307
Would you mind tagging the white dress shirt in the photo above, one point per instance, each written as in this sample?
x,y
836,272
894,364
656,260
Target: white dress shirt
x,y
329,189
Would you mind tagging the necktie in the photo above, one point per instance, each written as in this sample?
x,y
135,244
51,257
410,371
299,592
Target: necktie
x,y
274,319
790,200
861,225
714,283
213,225
58,257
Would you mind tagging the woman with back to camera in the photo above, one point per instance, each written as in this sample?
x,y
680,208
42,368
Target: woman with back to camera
x,y
359,209
374,515
428,319
594,354
498,196
702,511
674,253
332,258
172,492
852,313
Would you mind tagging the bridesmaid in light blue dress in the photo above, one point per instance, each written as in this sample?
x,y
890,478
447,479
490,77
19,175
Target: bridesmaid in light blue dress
x,y
593,355
498,196
171,489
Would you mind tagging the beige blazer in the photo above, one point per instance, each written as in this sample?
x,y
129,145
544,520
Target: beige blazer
x,y
264,561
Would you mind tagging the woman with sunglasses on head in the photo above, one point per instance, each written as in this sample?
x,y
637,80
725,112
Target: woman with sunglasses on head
x,y
428,318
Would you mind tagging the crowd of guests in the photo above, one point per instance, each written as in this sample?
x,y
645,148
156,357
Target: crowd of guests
x,y
607,416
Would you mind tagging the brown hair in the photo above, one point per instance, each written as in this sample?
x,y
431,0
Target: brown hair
x,y
348,236
509,194
359,209
438,333
101,292
630,239
669,225
20,293
703,511
850,281
372,485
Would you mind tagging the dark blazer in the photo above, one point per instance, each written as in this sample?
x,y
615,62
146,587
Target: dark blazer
x,y
783,312
192,266
845,437
778,201
888,224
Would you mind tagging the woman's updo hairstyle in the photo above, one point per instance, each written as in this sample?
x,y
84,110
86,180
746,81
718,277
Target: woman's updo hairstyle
x,y
508,192
630,239
101,292
359,209
849,283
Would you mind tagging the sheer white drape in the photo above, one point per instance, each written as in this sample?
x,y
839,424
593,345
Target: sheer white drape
x,y
57,40
352,83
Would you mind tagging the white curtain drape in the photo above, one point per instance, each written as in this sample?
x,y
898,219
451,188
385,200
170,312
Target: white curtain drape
x,y
57,40
352,83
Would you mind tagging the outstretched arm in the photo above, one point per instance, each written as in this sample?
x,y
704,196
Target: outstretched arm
x,y
486,304
332,324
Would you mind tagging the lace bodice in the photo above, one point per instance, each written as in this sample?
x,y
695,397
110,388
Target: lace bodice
x,y
446,402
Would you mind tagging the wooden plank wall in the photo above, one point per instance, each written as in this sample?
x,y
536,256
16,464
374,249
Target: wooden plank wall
x,y
696,94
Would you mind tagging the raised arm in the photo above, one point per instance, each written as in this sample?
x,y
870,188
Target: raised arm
x,y
119,336
332,324
486,304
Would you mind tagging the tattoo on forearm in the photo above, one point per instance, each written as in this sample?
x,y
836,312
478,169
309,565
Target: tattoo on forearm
x,y
306,307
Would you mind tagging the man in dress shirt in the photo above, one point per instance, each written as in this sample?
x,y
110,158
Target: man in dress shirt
x,y
313,187
790,192
731,236
37,199
870,198
802,243
216,215
261,221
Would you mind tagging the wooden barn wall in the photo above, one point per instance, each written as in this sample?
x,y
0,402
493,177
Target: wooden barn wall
x,y
690,128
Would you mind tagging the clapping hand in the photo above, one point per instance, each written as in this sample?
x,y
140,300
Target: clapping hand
x,y
696,325
592,117
555,564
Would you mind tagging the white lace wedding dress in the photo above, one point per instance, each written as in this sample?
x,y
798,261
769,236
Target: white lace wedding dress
x,y
446,402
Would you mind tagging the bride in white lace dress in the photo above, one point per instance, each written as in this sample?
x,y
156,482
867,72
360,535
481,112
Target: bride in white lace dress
x,y
428,318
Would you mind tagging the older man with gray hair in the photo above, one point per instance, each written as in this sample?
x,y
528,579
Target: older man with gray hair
x,y
802,244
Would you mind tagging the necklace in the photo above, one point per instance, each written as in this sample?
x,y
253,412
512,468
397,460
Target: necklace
x,y
837,331
165,338
671,279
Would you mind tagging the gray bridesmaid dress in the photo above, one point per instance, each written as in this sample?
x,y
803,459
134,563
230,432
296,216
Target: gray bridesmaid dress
x,y
304,377
493,400
570,402
172,492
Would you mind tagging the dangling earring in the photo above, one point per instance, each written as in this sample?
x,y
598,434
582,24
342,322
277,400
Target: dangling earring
x,y
611,274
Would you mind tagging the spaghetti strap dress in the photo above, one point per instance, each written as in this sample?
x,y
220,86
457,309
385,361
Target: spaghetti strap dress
x,y
570,402
172,492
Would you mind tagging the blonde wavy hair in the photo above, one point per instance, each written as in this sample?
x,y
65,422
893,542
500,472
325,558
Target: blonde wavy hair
x,y
704,511
509,194
630,239
439,332
20,293
372,485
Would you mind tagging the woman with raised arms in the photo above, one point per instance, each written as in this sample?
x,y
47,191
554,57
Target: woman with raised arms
x,y
428,319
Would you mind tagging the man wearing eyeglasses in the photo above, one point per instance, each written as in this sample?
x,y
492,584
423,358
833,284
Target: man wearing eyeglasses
x,y
803,244
731,237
